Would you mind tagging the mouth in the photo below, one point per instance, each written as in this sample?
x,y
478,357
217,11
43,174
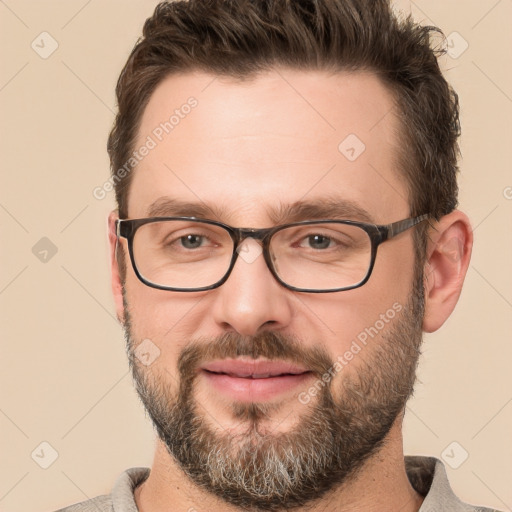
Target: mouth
x,y
251,380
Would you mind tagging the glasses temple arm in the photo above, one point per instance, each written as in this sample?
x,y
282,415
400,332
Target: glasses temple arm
x,y
399,227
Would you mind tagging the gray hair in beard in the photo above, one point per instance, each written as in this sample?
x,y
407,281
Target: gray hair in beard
x,y
332,440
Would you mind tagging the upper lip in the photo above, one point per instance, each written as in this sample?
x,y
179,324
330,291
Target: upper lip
x,y
254,368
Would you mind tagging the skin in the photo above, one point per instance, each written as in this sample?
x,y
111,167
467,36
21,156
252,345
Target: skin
x,y
248,147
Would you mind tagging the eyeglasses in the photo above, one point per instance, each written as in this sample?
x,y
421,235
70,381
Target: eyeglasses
x,y
186,254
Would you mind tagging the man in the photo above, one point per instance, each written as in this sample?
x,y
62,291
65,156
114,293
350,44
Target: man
x,y
285,174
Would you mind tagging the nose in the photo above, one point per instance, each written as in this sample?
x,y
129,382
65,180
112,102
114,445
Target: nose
x,y
251,300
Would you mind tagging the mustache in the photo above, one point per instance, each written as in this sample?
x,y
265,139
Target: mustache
x,y
269,345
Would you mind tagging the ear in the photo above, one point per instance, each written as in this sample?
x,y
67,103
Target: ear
x,y
117,288
448,254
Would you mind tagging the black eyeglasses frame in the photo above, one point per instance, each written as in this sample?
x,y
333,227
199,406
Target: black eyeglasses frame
x,y
126,228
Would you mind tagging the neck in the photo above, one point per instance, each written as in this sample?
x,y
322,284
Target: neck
x,y
381,485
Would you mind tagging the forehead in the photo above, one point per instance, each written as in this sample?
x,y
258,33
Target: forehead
x,y
282,137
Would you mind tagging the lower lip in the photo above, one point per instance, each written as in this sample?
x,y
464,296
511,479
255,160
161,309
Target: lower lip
x,y
255,390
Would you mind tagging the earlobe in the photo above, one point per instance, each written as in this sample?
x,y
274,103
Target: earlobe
x,y
448,255
116,282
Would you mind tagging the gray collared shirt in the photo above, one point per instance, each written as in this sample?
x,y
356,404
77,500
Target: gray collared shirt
x,y
426,474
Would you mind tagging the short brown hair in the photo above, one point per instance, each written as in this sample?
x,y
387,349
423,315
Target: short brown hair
x,y
240,38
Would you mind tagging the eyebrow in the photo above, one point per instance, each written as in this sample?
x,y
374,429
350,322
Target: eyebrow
x,y
325,208
170,207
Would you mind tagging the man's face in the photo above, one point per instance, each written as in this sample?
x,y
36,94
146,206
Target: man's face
x,y
278,382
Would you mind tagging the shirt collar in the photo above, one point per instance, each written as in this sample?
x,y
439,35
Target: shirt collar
x,y
426,474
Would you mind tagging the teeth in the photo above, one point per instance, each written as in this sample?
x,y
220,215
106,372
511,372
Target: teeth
x,y
255,375
251,375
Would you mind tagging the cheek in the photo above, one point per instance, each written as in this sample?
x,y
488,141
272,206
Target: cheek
x,y
352,321
162,323
336,319
160,313
393,274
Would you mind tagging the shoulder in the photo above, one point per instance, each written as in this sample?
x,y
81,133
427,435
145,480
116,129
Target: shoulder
x,y
121,498
428,477
98,504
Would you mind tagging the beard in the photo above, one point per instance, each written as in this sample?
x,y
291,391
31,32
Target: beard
x,y
332,439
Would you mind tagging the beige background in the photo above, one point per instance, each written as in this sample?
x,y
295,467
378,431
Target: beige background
x,y
64,377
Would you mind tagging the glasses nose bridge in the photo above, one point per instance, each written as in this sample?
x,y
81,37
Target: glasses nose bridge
x,y
262,235
242,234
